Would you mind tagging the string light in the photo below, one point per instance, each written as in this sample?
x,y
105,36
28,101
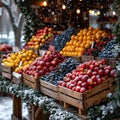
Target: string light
x,y
45,3
78,11
63,7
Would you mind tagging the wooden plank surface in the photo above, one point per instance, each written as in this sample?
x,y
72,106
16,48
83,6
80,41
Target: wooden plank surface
x,y
71,93
17,107
7,75
30,78
5,68
48,85
49,92
72,101
96,99
31,84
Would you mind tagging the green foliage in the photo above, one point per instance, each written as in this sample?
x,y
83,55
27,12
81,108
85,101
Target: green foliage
x,y
32,21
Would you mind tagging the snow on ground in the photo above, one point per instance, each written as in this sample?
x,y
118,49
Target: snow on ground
x,y
6,108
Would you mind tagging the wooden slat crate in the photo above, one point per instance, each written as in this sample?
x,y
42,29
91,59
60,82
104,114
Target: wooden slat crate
x,y
110,61
31,81
88,99
16,78
6,71
85,58
49,89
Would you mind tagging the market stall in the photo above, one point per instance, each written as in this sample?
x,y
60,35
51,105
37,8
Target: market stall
x,y
63,74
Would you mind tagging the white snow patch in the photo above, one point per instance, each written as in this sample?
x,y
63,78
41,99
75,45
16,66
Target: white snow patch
x,y
6,108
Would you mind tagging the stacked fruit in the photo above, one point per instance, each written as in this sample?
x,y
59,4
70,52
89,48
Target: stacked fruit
x,y
83,40
20,60
40,38
98,46
5,48
110,51
57,75
60,40
87,75
44,65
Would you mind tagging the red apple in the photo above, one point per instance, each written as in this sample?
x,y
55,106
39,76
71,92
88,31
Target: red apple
x,y
100,72
71,86
84,84
79,83
90,81
54,62
89,72
82,90
77,89
47,64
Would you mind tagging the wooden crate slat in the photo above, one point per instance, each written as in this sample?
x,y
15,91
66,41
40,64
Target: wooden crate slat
x,y
70,93
49,92
6,69
30,78
71,101
96,99
48,85
98,88
31,84
85,58
7,75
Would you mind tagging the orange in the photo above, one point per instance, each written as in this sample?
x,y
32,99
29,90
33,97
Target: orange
x,y
89,33
81,38
76,38
72,37
91,28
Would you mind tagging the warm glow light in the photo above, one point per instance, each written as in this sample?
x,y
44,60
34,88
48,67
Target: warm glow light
x,y
114,13
45,3
63,7
78,11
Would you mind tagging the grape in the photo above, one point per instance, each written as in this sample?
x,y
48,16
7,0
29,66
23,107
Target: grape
x,y
59,73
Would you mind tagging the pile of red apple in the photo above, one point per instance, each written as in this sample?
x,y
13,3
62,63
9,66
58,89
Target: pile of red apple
x,y
87,75
40,38
44,65
5,48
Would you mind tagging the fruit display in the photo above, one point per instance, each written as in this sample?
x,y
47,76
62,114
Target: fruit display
x,y
98,46
87,75
20,60
5,48
60,40
44,65
82,41
40,38
110,50
57,75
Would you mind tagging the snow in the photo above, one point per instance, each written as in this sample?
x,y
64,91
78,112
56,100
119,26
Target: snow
x,y
6,108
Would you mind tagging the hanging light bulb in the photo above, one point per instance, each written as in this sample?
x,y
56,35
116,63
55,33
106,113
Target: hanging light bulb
x,y
78,11
63,7
45,3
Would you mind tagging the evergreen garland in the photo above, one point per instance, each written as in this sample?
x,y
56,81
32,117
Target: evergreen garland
x,y
32,21
29,95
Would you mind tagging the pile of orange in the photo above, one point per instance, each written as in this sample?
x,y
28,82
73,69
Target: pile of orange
x,y
20,60
83,40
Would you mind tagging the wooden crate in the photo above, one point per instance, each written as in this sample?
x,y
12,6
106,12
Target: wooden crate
x,y
110,61
16,78
84,101
49,89
6,71
85,58
31,81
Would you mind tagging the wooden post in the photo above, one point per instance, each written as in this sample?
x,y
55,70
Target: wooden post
x,y
17,108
